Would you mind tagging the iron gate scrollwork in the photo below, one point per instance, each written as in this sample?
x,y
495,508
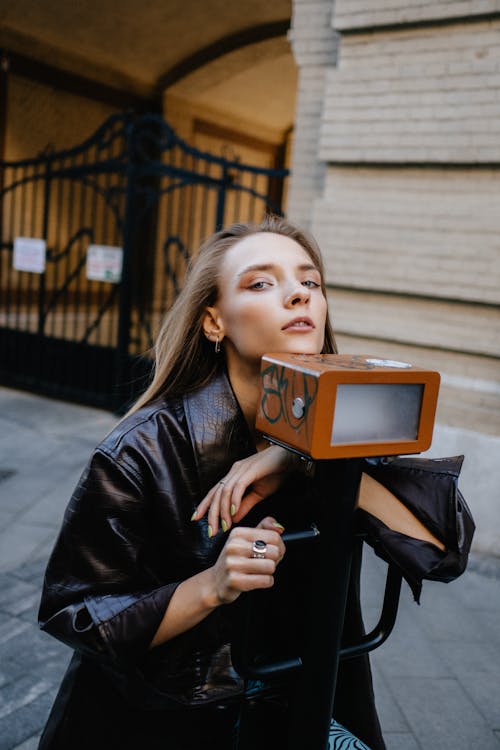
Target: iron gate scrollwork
x,y
135,185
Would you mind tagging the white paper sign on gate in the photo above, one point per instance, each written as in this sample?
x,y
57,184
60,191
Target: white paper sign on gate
x,y
104,263
29,254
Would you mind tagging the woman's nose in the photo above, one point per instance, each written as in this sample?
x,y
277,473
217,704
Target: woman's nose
x,y
297,294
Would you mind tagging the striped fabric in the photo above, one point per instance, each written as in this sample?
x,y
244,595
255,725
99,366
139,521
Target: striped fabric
x,y
339,738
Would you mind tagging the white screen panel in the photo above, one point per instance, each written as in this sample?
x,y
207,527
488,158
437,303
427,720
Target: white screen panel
x,y
376,412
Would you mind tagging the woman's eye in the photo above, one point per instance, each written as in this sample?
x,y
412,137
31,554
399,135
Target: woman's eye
x,y
310,283
259,284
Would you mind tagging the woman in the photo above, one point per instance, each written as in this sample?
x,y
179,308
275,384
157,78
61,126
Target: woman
x,y
140,583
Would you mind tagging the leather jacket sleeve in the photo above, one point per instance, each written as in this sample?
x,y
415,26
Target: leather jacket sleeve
x,y
99,595
428,487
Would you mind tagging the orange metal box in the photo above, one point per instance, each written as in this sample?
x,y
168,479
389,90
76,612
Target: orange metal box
x,y
343,405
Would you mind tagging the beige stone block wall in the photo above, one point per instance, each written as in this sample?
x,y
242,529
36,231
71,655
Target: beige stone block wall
x,y
314,45
423,322
430,232
352,14
420,95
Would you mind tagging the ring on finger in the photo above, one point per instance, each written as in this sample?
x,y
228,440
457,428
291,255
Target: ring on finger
x,y
259,548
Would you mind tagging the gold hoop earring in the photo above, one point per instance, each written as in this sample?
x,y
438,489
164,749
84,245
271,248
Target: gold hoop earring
x,y
217,345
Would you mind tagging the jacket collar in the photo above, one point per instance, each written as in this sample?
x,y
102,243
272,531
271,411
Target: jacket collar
x,y
217,428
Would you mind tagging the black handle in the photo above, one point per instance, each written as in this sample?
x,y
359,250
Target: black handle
x,y
383,628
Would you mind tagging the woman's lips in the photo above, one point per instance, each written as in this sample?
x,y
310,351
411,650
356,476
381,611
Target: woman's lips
x,y
299,324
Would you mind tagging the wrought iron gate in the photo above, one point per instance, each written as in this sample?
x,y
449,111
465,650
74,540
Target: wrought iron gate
x,y
133,193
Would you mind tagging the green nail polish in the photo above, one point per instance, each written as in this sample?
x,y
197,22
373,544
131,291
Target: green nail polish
x,y
233,509
193,517
278,526
224,525
209,531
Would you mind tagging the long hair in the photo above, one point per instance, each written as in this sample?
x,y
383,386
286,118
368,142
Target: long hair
x,y
183,357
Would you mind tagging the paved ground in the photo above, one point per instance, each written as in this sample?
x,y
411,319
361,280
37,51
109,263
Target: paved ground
x,y
437,678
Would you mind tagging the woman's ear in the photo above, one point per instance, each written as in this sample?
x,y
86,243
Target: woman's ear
x,y
212,325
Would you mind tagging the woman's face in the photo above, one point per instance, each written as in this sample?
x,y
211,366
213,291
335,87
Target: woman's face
x,y
270,300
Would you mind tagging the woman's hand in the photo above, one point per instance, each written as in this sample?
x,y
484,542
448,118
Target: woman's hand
x,y
247,483
236,570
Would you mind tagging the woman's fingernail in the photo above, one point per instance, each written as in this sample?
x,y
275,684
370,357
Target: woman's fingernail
x,y
233,509
193,517
209,531
224,525
278,526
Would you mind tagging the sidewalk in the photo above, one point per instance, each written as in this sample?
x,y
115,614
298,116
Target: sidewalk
x,y
437,678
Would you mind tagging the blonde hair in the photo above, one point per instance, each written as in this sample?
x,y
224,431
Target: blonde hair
x,y
184,358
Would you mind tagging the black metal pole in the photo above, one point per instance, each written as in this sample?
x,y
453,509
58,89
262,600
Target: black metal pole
x,y
313,696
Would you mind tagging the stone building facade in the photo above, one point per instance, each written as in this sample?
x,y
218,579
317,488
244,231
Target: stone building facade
x,y
396,170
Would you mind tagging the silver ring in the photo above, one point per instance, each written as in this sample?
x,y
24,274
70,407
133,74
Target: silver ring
x,y
259,549
222,482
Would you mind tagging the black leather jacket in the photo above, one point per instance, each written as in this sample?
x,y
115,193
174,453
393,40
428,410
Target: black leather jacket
x,y
127,541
